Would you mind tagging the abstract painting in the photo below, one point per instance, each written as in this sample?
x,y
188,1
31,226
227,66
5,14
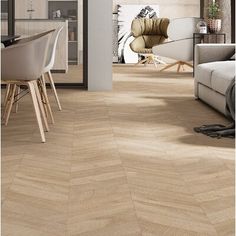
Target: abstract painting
x,y
126,14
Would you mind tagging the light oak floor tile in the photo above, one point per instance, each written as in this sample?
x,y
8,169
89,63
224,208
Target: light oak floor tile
x,y
120,163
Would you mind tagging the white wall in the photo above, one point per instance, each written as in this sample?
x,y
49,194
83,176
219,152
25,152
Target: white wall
x,y
99,45
168,8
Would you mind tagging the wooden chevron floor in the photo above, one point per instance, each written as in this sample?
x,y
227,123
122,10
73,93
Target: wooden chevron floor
x,y
121,163
74,75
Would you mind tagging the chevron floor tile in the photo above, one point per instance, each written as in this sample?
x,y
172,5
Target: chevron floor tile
x,y
120,163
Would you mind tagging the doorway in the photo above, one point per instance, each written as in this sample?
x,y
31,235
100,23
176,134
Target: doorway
x,y
29,17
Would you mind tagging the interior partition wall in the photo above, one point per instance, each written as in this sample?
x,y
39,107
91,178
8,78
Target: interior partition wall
x,y
233,21
99,47
11,17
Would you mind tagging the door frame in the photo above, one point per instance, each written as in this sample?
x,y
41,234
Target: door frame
x,y
232,21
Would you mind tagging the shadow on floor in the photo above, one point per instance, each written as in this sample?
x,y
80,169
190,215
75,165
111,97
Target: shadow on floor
x,y
174,112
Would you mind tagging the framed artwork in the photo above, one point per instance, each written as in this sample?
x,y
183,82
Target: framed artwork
x,y
115,38
126,14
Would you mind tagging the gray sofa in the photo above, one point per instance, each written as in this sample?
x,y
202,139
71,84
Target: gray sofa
x,y
213,73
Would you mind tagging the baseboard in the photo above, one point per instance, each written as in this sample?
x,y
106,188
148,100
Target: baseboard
x,y
58,71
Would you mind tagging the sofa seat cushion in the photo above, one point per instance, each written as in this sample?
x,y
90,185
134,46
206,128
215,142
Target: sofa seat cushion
x,y
216,75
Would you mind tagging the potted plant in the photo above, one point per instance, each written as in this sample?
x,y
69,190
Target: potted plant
x,y
214,23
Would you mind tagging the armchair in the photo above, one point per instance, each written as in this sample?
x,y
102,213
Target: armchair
x,y
180,46
147,33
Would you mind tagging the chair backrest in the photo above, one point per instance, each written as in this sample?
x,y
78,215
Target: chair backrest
x,y
148,33
25,61
33,37
52,48
182,28
146,26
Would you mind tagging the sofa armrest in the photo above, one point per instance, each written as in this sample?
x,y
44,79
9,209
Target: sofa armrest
x,y
212,52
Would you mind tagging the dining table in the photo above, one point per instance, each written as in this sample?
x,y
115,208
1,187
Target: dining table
x,y
7,40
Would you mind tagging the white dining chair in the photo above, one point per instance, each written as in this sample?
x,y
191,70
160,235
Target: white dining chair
x,y
45,100
23,64
50,63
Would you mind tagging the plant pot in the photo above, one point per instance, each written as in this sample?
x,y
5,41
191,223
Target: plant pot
x,y
214,25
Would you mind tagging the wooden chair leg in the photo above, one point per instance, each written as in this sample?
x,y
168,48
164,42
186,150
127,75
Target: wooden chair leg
x,y
43,81
156,59
7,101
179,67
10,103
36,108
169,66
54,90
155,63
147,61
141,62
6,94
18,90
150,59
46,100
188,64
42,86
41,106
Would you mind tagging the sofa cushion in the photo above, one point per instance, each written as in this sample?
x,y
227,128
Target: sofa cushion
x,y
216,75
221,78
203,74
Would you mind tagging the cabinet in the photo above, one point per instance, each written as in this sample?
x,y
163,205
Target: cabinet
x,y
31,9
54,10
4,9
68,10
